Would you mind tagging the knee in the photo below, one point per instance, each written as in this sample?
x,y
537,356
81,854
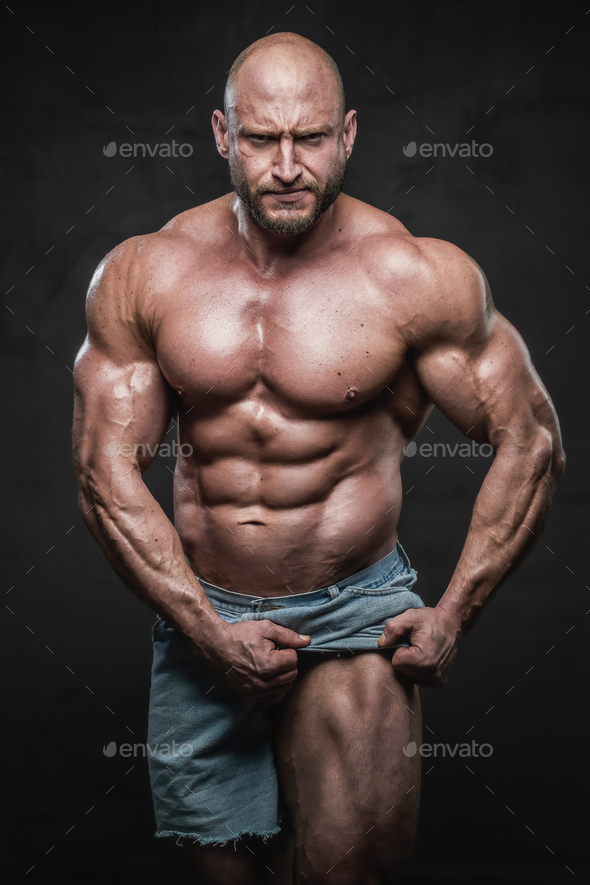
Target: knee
x,y
381,864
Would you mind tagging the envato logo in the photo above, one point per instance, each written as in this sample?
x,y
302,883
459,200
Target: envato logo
x,y
428,750
165,450
163,750
139,148
434,150
465,450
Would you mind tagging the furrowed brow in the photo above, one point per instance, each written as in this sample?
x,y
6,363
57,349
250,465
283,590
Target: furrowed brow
x,y
312,130
247,131
258,130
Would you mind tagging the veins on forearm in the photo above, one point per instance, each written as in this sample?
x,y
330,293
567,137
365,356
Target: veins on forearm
x,y
504,528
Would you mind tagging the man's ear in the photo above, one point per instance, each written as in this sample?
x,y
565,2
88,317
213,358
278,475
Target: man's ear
x,y
220,133
349,132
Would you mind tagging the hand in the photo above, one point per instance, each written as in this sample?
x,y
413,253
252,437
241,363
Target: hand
x,y
434,636
246,654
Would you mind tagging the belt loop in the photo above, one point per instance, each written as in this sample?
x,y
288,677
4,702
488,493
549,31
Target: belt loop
x,y
404,555
334,591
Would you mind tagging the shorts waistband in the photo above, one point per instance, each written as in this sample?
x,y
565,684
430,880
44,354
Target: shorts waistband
x,y
374,576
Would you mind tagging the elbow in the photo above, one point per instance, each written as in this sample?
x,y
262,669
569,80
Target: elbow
x,y
85,485
86,506
558,463
549,457
92,498
89,474
101,490
93,472
91,486
82,469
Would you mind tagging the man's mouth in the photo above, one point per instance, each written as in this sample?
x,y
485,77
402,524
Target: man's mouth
x,y
287,195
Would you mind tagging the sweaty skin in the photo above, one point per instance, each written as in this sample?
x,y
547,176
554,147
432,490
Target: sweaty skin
x,y
293,392
299,351
297,368
295,389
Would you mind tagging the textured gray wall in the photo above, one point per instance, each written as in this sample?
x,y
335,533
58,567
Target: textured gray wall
x,y
512,75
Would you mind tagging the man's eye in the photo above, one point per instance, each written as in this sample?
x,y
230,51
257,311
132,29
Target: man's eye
x,y
259,139
314,137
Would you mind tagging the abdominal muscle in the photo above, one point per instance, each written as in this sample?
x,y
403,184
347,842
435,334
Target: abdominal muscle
x,y
273,515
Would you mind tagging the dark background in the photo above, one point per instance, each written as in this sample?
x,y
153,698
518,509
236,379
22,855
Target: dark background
x,y
76,643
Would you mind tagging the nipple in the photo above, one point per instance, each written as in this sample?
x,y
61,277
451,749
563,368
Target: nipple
x,y
350,393
180,390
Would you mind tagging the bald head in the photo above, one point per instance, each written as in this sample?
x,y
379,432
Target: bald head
x,y
284,133
285,57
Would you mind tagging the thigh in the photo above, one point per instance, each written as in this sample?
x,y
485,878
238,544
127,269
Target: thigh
x,y
352,793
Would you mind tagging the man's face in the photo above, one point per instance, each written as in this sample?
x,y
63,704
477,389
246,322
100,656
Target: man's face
x,y
286,147
297,207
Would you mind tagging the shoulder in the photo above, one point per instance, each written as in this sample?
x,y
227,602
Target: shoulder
x,y
132,279
439,289
163,251
453,293
383,238
138,269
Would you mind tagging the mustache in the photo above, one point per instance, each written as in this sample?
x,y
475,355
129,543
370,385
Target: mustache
x,y
296,185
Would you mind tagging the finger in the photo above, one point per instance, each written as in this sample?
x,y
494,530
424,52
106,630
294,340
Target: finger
x,y
284,636
409,662
403,658
395,628
283,659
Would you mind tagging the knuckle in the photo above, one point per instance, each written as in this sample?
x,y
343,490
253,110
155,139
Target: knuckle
x,y
266,669
260,671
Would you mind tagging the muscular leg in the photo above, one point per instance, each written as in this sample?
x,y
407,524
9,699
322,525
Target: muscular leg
x,y
353,795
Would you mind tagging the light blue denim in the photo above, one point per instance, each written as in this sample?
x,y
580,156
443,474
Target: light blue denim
x,y
211,764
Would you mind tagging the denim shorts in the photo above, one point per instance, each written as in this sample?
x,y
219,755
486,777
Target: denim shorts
x,y
210,757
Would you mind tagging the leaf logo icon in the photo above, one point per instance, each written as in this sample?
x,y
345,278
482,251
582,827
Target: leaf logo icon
x,y
110,450
111,149
411,749
111,749
410,450
410,149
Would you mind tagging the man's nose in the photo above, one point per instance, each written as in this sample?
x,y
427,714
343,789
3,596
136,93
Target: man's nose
x,y
286,166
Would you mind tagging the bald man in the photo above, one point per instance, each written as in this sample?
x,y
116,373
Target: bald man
x,y
299,338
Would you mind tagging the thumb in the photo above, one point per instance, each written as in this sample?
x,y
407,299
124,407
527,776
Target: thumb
x,y
288,638
395,628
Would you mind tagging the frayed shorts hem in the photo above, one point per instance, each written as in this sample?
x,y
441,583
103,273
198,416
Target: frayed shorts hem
x,y
205,840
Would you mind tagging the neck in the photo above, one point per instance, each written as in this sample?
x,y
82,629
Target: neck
x,y
265,248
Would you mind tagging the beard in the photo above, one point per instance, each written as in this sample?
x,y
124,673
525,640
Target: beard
x,y
252,199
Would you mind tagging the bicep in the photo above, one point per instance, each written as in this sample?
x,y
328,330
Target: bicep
x,y
123,403
488,387
120,409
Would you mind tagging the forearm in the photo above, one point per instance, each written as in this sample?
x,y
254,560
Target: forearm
x,y
144,549
508,517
